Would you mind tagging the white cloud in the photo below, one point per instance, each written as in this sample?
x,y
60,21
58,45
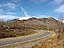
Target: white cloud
x,y
8,5
1,11
11,5
43,16
16,1
56,2
10,13
0,5
25,13
8,17
39,1
60,9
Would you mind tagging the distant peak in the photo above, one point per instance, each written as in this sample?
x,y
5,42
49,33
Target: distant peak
x,y
24,18
50,18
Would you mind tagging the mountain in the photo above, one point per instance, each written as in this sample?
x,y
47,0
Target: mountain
x,y
63,21
37,23
26,26
24,18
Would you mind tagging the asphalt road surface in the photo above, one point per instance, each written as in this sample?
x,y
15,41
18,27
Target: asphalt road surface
x,y
39,34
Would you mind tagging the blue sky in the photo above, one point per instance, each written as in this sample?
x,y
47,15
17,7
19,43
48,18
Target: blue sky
x,y
10,9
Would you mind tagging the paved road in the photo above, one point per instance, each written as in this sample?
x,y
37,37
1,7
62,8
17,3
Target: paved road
x,y
39,34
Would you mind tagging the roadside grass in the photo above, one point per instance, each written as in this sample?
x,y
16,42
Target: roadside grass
x,y
28,32
19,43
14,34
47,43
62,37
54,42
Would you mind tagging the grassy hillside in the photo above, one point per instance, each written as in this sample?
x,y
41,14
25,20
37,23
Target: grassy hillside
x,y
17,27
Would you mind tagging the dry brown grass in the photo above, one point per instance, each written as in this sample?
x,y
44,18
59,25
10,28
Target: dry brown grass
x,y
56,42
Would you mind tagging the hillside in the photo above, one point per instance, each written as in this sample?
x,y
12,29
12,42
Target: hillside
x,y
37,24
17,27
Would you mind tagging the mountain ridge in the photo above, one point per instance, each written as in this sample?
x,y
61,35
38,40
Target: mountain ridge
x,y
21,27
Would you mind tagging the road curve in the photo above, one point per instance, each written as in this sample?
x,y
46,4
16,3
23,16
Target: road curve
x,y
39,34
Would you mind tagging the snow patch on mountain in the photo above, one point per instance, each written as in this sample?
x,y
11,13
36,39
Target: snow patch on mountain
x,y
24,18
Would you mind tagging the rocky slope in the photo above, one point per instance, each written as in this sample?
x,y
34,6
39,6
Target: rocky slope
x,y
17,27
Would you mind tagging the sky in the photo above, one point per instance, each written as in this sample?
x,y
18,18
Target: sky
x,y
11,9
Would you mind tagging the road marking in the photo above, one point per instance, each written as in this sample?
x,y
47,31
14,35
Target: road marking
x,y
35,35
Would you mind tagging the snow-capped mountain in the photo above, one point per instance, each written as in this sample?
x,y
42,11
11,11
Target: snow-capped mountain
x,y
24,18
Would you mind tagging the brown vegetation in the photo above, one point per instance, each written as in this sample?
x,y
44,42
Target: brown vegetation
x,y
23,27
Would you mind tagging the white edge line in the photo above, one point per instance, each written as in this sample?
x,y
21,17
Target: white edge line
x,y
25,41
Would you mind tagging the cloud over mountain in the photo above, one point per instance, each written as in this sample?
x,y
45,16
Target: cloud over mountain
x,y
60,9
